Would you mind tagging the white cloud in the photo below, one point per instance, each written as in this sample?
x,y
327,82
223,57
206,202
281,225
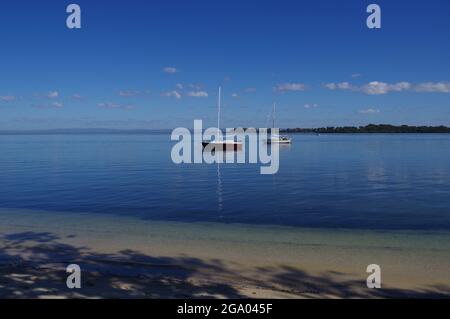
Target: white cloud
x,y
372,88
181,86
76,96
330,86
194,86
170,70
369,111
235,95
340,86
7,98
110,105
57,104
285,87
311,106
380,88
52,94
377,88
197,94
250,90
128,93
438,87
400,86
173,93
356,75
345,86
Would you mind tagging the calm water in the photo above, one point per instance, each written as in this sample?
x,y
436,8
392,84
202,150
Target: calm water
x,y
350,181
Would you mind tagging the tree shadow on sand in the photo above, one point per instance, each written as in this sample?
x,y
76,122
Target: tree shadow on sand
x,y
33,265
336,284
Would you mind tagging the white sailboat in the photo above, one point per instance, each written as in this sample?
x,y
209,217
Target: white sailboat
x,y
274,138
221,144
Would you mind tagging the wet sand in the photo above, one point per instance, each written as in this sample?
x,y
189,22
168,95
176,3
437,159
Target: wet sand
x,y
124,257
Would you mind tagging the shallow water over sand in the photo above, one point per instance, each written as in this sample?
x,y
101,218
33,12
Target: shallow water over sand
x,y
409,259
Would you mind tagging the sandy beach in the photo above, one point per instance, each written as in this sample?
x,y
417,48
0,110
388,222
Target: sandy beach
x,y
132,258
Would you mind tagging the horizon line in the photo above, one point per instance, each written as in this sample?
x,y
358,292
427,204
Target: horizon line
x,y
105,130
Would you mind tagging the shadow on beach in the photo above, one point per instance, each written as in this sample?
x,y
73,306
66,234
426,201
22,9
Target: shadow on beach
x,y
33,264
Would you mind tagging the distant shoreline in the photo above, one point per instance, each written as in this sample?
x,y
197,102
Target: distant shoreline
x,y
371,128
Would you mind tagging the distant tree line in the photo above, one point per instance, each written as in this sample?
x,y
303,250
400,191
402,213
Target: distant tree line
x,y
371,128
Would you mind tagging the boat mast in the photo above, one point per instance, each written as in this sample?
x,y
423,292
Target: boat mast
x,y
218,112
273,116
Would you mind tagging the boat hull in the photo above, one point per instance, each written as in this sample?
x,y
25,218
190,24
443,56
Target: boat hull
x,y
217,146
278,141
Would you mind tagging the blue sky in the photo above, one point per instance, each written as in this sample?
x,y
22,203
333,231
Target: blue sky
x,y
157,64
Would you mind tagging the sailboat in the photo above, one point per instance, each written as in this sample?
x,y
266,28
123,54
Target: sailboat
x,y
220,144
280,139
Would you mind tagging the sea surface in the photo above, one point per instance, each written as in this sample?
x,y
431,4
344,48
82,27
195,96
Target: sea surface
x,y
357,181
